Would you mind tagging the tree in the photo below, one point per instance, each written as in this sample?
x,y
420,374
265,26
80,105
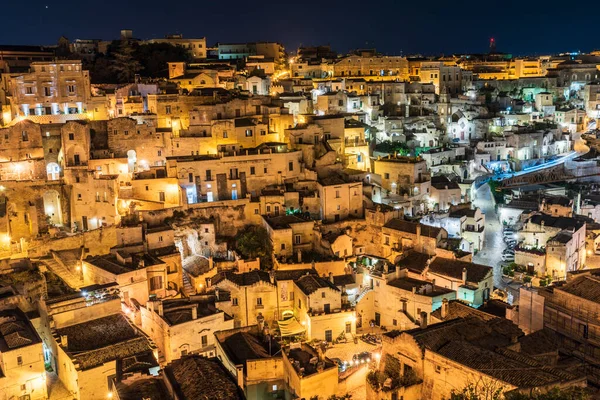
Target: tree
x,y
253,242
482,389
124,63
154,58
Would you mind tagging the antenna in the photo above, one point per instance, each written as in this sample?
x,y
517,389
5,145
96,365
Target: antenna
x,y
492,45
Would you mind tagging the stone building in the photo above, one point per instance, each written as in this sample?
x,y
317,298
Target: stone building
x,y
51,88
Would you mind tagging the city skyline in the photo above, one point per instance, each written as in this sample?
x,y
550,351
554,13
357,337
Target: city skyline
x,y
393,32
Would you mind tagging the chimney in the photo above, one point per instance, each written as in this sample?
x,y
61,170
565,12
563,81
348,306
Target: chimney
x,y
331,277
64,340
299,255
398,272
432,283
240,376
444,308
160,308
217,294
272,277
464,275
423,320
195,312
208,282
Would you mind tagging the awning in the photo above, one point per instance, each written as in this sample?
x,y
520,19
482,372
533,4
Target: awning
x,y
290,327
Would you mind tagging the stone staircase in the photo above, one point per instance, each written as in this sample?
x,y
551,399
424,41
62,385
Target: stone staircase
x,y
63,273
188,288
363,292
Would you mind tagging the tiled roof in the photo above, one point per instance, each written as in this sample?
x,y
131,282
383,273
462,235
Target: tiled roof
x,y
293,274
342,280
16,330
458,309
195,377
244,279
414,261
505,365
454,269
586,287
411,227
150,387
245,344
311,283
557,222
423,288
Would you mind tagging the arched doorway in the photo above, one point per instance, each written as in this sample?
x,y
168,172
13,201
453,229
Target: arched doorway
x,y
131,160
53,171
52,208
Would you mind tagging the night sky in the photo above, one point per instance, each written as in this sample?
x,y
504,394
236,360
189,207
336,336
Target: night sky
x,y
520,27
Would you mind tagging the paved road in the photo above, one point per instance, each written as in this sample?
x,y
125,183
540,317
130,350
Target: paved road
x,y
491,253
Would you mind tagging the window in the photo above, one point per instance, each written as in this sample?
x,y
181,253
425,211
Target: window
x,y
71,136
47,91
28,90
299,303
394,322
291,166
204,340
24,136
259,301
78,196
234,301
156,283
159,153
160,238
337,194
282,246
71,89
20,360
348,327
297,239
167,109
248,132
161,196
224,134
386,175
387,240
252,170
263,132
322,295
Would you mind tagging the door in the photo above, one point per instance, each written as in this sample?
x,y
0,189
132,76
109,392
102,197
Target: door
x,y
84,223
234,195
76,159
328,335
377,319
327,308
209,196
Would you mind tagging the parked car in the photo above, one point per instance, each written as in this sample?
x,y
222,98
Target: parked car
x,y
508,257
341,364
508,251
364,357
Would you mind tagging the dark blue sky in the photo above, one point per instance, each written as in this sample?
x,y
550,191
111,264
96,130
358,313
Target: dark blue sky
x,y
427,27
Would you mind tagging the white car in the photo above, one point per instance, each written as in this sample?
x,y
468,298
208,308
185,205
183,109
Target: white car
x,y
508,257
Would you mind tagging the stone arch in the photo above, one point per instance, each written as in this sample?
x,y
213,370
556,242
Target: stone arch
x,y
52,207
53,171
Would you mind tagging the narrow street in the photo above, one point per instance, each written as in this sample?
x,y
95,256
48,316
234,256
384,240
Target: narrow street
x,y
491,254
